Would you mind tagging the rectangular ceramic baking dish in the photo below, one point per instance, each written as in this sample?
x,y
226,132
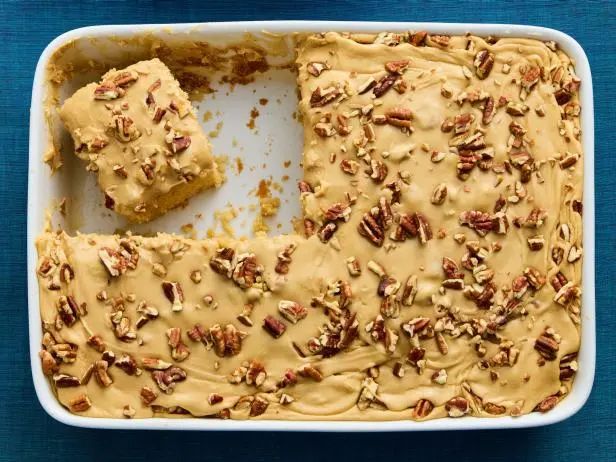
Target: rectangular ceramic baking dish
x,y
278,145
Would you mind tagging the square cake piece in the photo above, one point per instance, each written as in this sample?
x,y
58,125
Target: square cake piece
x,y
137,130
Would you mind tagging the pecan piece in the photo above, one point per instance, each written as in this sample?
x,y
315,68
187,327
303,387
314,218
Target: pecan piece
x,y
457,406
108,92
371,229
311,371
320,98
127,363
147,395
80,403
258,406
483,62
48,362
384,84
273,326
255,373
292,311
424,231
399,117
114,261
439,194
100,373
488,111
422,409
547,404
316,68
377,171
547,346
68,310
167,379
173,292
65,381
397,67
327,231
179,351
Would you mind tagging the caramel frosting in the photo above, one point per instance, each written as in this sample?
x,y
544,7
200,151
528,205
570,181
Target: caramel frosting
x,y
138,131
439,274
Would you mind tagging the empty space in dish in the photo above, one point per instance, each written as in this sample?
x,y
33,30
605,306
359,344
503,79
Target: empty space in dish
x,y
250,121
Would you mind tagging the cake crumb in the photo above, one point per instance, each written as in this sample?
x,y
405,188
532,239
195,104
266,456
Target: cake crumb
x,y
254,113
214,133
189,230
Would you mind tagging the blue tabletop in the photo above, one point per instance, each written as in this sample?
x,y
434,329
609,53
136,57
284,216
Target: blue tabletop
x,y
27,433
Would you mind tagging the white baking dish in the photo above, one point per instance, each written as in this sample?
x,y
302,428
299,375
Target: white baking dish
x,y
280,145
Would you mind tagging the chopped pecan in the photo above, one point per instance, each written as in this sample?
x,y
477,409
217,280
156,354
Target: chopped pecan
x,y
80,403
310,371
108,91
292,311
563,96
258,406
316,68
68,310
327,231
439,194
422,409
399,117
406,296
179,351
530,77
273,326
349,166
247,271
48,362
547,404
483,62
457,406
320,98
418,38
377,171
167,379
65,381
424,231
547,346
371,228
384,84
174,293
125,129
100,373
127,363
155,364
488,110
568,366
397,67
535,219
255,373
114,261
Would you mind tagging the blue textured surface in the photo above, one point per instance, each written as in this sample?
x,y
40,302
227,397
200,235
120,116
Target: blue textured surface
x,y
27,433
